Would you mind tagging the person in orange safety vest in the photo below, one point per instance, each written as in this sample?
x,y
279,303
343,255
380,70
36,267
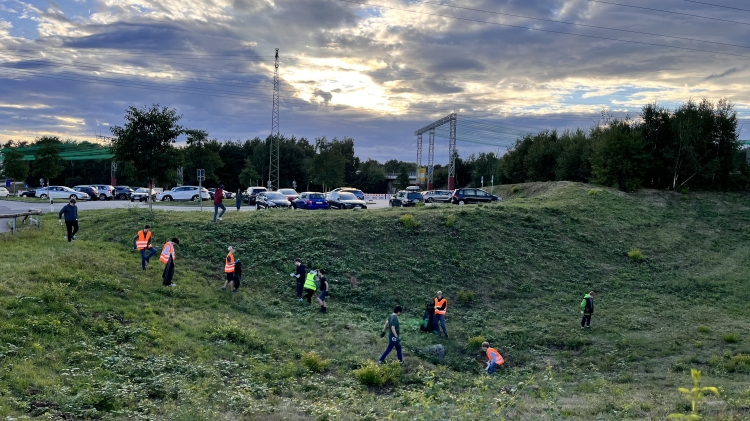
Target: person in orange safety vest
x,y
167,257
142,243
494,359
441,306
229,264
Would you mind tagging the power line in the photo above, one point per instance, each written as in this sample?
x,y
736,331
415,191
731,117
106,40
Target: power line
x,y
669,11
717,5
653,44
584,25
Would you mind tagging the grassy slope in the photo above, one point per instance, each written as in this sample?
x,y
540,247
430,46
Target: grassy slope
x,y
85,333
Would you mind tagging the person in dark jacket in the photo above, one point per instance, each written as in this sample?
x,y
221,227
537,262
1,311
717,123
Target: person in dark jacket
x,y
71,218
428,320
237,275
218,199
323,286
300,275
238,199
587,309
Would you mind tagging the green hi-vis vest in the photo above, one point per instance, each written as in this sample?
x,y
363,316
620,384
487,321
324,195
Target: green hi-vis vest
x,y
310,282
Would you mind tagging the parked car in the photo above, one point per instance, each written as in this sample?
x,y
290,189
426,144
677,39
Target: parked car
x,y
406,198
310,200
345,200
60,192
465,196
356,192
123,192
4,192
91,191
106,192
227,194
271,199
184,193
27,193
251,193
141,194
291,194
431,196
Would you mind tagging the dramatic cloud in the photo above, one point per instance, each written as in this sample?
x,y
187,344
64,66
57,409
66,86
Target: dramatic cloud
x,y
372,70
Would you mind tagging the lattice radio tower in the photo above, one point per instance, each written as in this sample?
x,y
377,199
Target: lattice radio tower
x,y
273,165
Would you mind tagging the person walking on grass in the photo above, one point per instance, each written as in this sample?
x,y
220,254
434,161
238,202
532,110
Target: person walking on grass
x,y
587,309
218,199
238,199
71,219
394,336
310,286
229,266
142,243
167,257
494,359
300,276
441,306
323,286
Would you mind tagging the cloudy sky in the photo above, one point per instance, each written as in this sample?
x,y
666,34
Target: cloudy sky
x,y
374,70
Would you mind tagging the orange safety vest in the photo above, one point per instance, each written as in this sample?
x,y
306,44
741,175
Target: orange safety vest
x,y
440,304
229,265
498,358
167,252
143,240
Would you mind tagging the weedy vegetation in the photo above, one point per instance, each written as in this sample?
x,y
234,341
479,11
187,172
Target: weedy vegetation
x,y
86,334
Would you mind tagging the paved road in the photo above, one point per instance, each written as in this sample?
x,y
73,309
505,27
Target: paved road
x,y
12,206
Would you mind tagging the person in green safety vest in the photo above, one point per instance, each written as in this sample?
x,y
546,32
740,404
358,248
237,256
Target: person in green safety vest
x,y
310,285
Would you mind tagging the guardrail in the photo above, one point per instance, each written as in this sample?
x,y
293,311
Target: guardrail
x,y
30,215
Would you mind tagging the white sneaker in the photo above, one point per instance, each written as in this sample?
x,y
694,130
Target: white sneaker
x,y
173,285
220,218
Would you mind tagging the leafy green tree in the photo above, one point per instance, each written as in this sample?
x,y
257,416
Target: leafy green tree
x,y
620,157
656,130
249,176
512,163
200,153
371,177
574,157
402,180
487,165
147,140
328,166
14,166
541,156
47,161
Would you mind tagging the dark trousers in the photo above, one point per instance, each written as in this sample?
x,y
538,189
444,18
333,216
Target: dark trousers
x,y
308,294
168,274
145,258
392,344
586,321
300,283
440,322
72,227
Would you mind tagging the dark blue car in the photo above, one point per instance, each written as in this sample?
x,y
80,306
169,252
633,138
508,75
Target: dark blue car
x,y
310,200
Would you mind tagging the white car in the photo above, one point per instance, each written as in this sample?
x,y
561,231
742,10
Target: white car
x,y
60,192
106,192
4,192
183,193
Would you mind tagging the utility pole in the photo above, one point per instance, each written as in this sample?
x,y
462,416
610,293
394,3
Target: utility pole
x,y
273,154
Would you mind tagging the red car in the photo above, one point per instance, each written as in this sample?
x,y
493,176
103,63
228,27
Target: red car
x,y
291,194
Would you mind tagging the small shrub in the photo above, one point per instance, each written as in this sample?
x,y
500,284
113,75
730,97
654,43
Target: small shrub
x,y
515,189
645,407
694,395
476,341
379,375
594,192
419,205
314,362
465,297
685,190
231,331
409,222
450,221
704,329
731,338
738,363
636,255
684,197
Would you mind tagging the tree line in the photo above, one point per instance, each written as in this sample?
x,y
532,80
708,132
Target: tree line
x,y
696,145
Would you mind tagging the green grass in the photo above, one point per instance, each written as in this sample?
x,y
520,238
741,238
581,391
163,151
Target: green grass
x,y
85,334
